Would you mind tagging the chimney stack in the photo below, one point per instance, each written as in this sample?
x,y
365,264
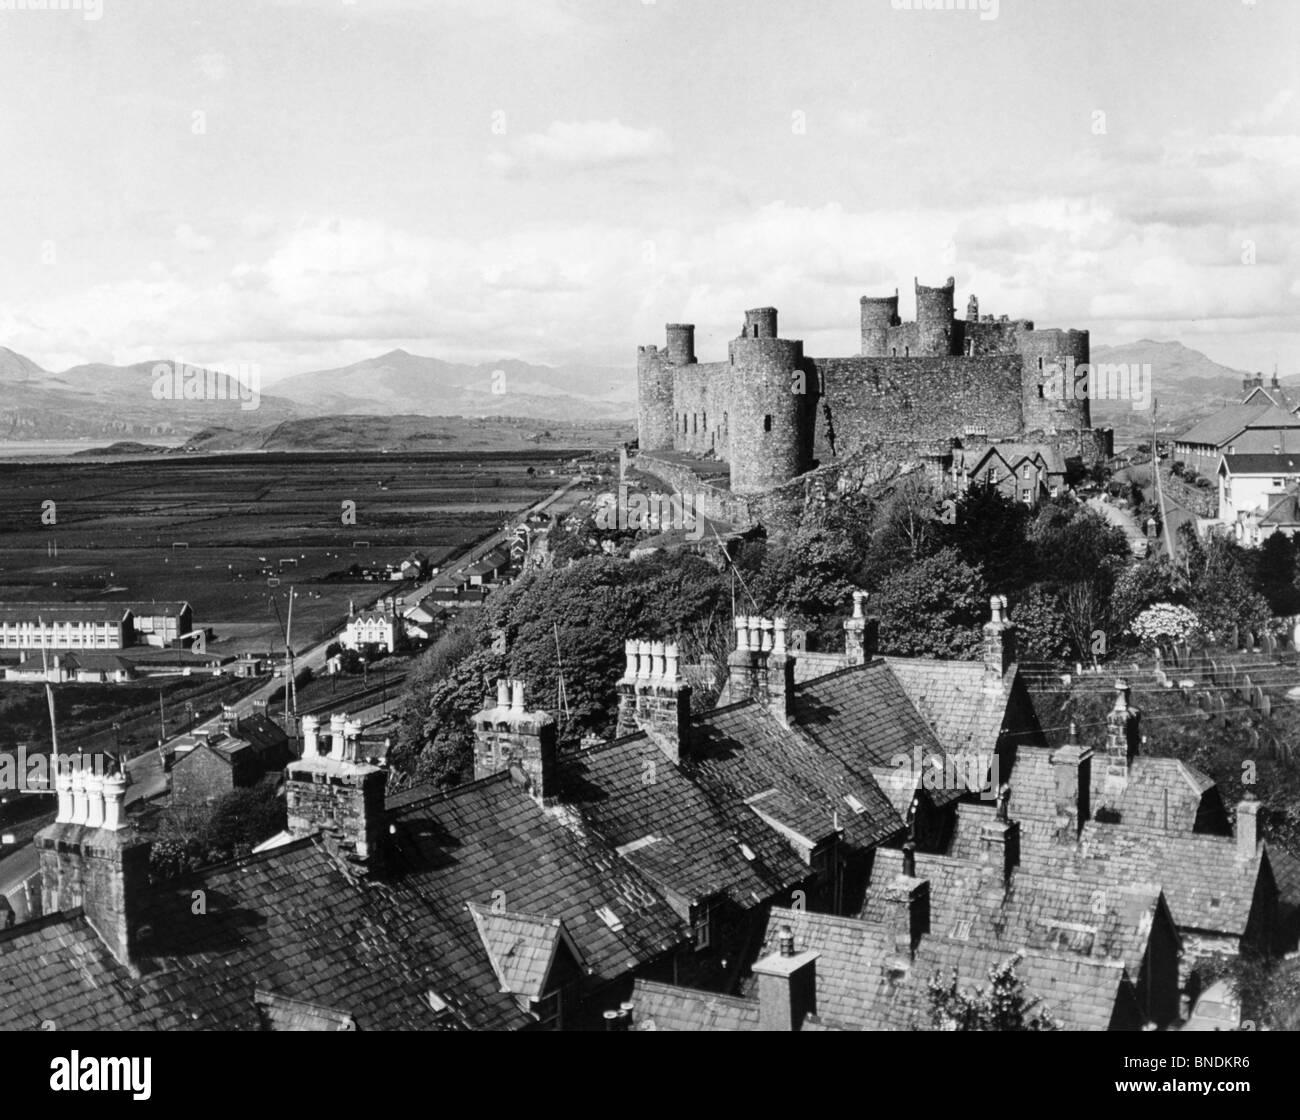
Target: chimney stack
x,y
1123,730
1000,839
907,902
653,697
1247,828
999,642
861,633
522,742
787,986
335,793
1072,773
780,676
101,867
742,662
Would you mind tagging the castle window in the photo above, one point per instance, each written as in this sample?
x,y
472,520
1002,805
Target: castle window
x,y
1040,363
706,421
695,421
893,351
907,351
767,422
1040,392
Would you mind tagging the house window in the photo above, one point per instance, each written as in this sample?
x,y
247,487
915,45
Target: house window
x,y
1024,472
1025,495
767,422
702,926
550,1010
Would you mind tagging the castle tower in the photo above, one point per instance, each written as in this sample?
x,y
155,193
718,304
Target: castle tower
x,y
1056,380
681,343
654,394
774,406
879,313
934,320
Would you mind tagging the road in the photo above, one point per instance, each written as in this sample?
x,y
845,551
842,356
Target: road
x,y
1125,522
145,771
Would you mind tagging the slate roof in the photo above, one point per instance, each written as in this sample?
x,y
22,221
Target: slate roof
x,y
670,829
62,612
1217,430
291,923
488,842
1158,792
969,902
665,1007
521,947
860,982
741,751
953,699
1012,455
1207,886
1282,464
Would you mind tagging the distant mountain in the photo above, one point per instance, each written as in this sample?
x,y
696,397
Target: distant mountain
x,y
1185,384
400,382
100,401
123,402
412,433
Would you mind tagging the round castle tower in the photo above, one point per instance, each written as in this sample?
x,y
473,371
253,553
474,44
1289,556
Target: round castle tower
x,y
1056,389
879,313
774,401
934,317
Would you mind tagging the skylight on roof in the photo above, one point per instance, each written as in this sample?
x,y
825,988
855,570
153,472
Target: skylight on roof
x,y
747,851
609,918
855,804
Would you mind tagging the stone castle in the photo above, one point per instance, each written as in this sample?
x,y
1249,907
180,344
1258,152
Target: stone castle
x,y
919,387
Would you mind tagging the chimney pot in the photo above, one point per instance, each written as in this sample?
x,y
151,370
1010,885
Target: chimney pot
x,y
114,802
1247,828
503,693
785,939
643,666
63,784
517,698
94,800
79,804
672,672
629,652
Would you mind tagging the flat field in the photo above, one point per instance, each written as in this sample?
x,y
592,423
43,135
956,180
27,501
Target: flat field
x,y
221,530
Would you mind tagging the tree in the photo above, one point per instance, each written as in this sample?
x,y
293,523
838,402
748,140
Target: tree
x,y
1039,617
1273,574
988,533
1002,1006
934,608
1221,592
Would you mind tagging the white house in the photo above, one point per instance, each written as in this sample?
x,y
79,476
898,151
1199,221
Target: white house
x,y
1251,487
379,628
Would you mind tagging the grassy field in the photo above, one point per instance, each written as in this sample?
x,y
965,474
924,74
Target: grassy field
x,y
218,531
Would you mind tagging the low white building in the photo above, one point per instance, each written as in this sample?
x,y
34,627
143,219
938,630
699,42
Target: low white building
x,y
1253,486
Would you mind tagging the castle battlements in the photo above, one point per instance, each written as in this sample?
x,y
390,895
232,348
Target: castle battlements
x,y
935,378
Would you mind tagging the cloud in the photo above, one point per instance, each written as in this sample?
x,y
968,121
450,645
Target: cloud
x,y
583,145
189,241
211,66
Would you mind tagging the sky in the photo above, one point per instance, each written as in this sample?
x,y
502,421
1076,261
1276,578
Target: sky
x,y
301,185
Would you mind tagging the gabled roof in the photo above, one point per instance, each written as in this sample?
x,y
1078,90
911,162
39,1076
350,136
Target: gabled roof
x,y
1207,885
1285,512
1011,455
487,842
741,751
1158,792
665,1007
290,922
521,947
862,983
671,830
954,700
1217,430
1270,464
970,901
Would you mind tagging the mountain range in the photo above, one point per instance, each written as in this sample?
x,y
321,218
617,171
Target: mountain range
x,y
100,401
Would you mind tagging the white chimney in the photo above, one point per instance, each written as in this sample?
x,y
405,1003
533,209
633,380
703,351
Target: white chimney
x,y
656,660
742,633
63,784
778,635
310,736
337,722
642,660
114,802
78,796
670,662
517,698
94,800
629,651
503,693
